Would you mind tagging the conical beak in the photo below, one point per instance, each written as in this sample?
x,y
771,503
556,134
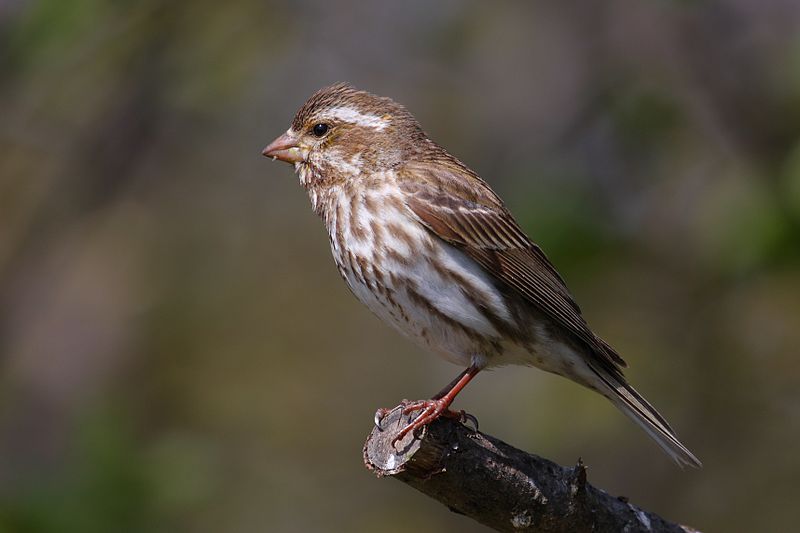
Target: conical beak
x,y
284,148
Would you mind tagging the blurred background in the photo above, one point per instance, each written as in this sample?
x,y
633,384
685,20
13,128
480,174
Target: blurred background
x,y
178,353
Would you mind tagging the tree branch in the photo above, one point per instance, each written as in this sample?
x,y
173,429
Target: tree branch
x,y
500,486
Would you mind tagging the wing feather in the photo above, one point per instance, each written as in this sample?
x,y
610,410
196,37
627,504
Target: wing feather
x,y
461,209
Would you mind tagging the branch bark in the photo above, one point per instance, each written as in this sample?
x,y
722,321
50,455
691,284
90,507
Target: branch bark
x,y
500,486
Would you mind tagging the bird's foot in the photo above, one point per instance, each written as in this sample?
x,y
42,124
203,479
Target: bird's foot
x,y
429,410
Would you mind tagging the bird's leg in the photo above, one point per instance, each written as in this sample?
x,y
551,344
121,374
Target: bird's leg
x,y
381,413
438,405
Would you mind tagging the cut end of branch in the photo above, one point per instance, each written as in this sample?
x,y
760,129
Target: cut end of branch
x,y
421,455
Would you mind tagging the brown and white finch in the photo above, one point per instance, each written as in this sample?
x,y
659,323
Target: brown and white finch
x,y
427,245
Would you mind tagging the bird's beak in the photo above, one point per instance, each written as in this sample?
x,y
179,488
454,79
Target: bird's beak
x,y
284,148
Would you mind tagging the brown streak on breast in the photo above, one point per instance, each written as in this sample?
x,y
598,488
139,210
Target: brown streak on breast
x,y
337,209
380,283
355,267
396,256
371,204
356,225
400,233
396,305
364,268
378,236
395,202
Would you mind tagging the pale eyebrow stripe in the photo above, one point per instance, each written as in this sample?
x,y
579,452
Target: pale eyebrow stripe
x,y
354,116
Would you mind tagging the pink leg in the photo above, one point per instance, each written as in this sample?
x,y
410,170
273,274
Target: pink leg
x,y
438,405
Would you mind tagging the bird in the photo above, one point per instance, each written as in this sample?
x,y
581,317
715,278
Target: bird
x,y
432,250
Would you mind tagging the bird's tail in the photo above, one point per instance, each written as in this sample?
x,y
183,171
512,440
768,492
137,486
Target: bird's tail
x,y
645,415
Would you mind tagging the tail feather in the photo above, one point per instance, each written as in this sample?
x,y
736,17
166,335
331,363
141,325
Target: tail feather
x,y
645,415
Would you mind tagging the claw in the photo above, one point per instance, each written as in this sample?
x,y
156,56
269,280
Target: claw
x,y
466,417
379,414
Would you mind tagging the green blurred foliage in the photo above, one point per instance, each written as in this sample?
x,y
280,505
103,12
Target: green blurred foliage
x,y
177,352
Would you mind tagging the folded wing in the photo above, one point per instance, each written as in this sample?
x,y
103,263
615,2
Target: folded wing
x,y
457,206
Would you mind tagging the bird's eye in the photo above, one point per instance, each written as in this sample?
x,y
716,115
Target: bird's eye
x,y
320,129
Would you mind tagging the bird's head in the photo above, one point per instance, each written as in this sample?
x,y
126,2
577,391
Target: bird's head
x,y
341,133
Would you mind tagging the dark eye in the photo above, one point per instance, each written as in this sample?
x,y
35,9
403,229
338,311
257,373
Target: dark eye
x,y
320,129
